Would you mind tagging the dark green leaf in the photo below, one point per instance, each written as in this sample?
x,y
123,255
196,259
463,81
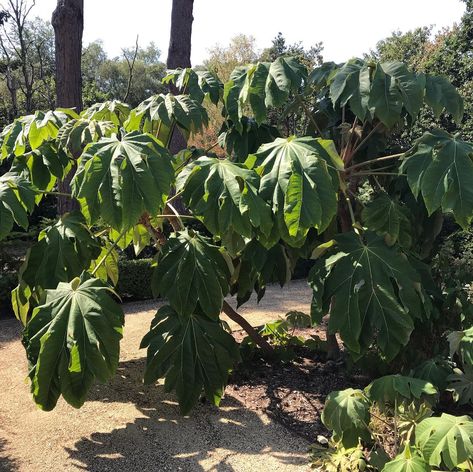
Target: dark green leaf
x,y
72,340
194,353
191,270
440,168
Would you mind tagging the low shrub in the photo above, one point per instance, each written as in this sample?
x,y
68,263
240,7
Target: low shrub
x,y
134,279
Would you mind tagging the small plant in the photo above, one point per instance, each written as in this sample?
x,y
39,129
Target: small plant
x,y
389,426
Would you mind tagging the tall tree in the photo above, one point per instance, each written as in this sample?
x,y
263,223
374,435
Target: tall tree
x,y
68,23
179,53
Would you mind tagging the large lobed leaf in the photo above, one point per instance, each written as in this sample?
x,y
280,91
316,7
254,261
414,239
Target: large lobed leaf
x,y
439,167
396,389
296,181
260,86
407,461
194,354
445,440
258,266
73,340
191,271
371,291
63,251
347,414
17,200
157,114
388,91
225,196
120,179
389,218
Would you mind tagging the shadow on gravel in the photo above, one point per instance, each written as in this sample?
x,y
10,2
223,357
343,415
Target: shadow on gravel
x,y
7,463
162,440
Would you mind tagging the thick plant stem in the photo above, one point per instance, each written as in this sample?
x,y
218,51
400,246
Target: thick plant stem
x,y
252,333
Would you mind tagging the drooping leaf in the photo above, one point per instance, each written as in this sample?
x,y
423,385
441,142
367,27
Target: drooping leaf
x,y
73,340
43,166
445,440
385,100
345,87
258,267
17,200
372,291
225,196
32,131
461,343
121,179
63,251
111,110
441,95
410,86
389,218
296,181
347,414
260,86
156,115
436,371
192,270
396,389
197,84
239,144
440,168
407,461
76,134
461,383
194,354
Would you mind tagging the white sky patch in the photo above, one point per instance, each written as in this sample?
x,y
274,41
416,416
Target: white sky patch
x,y
346,27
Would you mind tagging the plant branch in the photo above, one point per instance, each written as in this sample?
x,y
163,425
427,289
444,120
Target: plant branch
x,y
373,161
110,249
254,335
309,115
366,138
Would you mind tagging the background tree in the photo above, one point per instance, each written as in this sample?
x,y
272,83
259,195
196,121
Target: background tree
x,y
26,60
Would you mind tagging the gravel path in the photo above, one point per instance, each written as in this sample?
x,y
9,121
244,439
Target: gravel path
x,y
126,426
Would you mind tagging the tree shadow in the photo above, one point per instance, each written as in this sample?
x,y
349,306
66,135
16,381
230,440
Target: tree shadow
x,y
162,440
294,393
7,463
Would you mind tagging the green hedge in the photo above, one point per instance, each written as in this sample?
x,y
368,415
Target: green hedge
x,y
134,280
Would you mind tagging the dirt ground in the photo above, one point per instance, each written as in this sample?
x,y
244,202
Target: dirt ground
x,y
126,426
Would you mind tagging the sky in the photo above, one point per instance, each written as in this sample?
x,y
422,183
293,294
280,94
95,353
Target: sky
x,y
347,28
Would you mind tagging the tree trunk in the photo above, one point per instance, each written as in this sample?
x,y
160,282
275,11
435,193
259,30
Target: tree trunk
x,y
68,23
179,54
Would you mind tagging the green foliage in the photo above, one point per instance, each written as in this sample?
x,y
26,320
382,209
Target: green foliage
x,y
225,196
396,389
347,414
71,340
120,179
389,218
17,198
427,442
276,199
193,352
191,270
445,440
63,251
296,181
374,290
440,168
